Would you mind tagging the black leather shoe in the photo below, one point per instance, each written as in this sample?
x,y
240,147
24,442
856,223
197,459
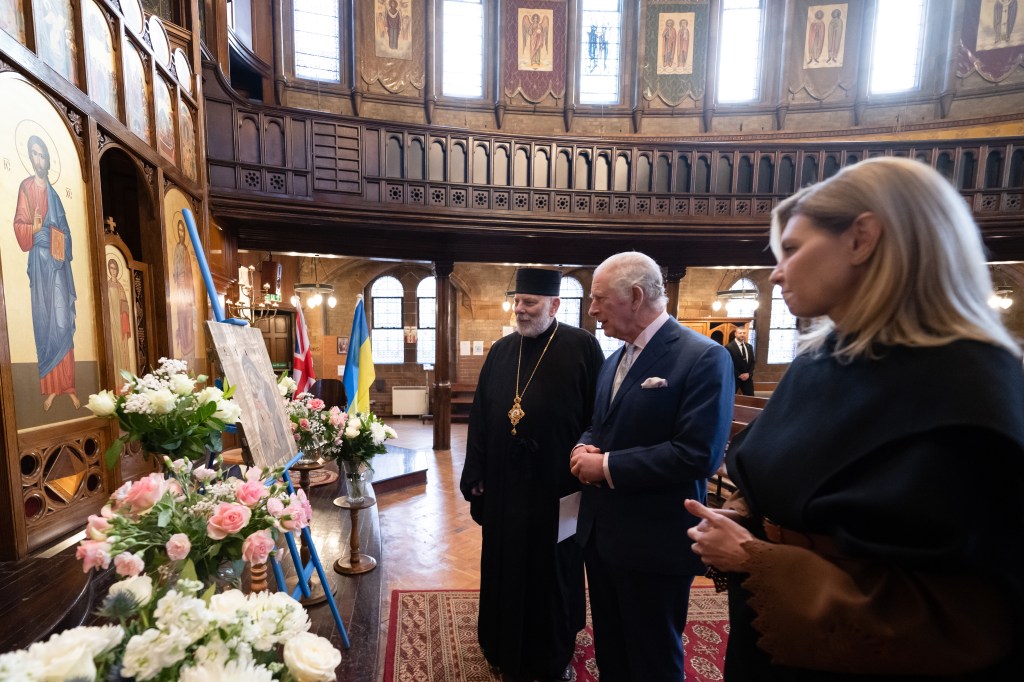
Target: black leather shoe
x,y
566,674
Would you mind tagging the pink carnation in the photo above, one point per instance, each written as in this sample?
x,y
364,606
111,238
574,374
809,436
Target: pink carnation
x,y
93,553
128,564
178,547
251,492
145,492
275,507
228,518
97,527
294,517
303,501
257,547
338,418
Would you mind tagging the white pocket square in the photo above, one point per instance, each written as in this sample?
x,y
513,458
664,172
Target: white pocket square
x,y
654,382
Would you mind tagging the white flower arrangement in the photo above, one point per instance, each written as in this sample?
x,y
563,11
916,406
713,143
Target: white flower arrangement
x,y
184,636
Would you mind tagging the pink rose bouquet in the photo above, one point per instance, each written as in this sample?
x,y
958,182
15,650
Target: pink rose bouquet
x,y
316,429
160,524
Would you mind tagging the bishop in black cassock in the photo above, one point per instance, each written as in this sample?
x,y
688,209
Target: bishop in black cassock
x,y
531,586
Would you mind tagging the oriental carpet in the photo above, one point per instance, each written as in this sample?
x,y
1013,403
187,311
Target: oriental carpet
x,y
432,637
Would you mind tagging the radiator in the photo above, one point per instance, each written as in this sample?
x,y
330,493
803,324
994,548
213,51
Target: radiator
x,y
409,400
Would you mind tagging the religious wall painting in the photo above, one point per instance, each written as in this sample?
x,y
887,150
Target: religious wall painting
x,y
134,18
535,40
672,50
45,252
533,51
185,293
121,320
826,34
402,23
55,36
136,93
992,41
188,142
183,69
100,60
393,24
164,120
12,19
158,37
675,38
999,26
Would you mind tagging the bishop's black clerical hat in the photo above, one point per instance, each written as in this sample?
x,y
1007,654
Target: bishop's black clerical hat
x,y
537,281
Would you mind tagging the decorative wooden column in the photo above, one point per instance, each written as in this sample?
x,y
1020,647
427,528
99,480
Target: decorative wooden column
x,y
673,275
442,398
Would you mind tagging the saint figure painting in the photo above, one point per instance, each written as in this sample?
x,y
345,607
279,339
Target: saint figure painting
x,y
41,227
826,33
535,40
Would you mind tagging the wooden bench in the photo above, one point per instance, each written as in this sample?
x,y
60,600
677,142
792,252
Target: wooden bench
x,y
462,401
745,410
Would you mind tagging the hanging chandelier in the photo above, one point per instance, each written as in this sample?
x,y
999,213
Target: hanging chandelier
x,y
314,291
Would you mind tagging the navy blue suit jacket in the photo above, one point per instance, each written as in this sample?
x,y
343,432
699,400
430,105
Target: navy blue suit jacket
x,y
664,443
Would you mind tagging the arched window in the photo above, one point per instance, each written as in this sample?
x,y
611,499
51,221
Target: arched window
x,y
317,39
426,320
782,334
739,51
743,305
600,46
608,344
463,48
897,46
570,311
386,333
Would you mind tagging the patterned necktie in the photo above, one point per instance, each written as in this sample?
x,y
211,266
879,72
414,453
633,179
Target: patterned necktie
x,y
623,368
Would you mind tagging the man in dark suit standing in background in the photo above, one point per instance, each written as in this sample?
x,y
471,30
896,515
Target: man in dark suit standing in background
x,y
661,419
743,362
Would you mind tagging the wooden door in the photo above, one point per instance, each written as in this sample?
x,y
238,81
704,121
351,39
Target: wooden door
x,y
278,335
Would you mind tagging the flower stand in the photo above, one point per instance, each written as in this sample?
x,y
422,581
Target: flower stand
x,y
355,563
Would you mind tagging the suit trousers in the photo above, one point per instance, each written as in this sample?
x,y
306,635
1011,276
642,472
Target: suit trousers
x,y
639,617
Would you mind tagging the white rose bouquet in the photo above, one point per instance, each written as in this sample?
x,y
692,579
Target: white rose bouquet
x,y
361,437
163,411
177,633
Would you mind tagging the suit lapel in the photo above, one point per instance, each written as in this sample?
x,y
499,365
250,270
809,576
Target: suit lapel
x,y
652,353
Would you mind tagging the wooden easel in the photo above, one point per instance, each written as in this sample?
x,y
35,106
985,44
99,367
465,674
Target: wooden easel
x,y
302,571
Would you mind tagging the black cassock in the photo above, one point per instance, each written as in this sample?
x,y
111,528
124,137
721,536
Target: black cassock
x,y
531,587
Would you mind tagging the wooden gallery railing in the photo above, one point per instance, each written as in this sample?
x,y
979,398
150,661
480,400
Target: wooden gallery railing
x,y
344,161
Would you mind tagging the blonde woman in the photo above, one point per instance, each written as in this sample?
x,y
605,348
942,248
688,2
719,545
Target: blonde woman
x,y
856,549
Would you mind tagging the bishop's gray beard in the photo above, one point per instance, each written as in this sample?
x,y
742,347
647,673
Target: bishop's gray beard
x,y
535,326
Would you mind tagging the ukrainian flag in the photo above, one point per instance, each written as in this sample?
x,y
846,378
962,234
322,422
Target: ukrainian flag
x,y
359,374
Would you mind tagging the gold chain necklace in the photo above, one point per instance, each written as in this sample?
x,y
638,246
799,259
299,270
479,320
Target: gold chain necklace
x,y
516,414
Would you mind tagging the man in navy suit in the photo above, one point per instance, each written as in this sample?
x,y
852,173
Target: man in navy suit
x,y
661,419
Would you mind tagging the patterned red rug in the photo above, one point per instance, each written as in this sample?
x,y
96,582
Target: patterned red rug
x,y
432,636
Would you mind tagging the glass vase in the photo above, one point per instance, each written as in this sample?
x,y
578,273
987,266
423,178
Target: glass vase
x,y
355,479
228,575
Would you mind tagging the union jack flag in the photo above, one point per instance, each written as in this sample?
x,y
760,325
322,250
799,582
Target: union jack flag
x,y
302,364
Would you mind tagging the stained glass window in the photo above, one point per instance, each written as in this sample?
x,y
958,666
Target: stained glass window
x,y
600,51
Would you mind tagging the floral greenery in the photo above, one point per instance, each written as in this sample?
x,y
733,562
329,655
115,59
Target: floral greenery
x,y
361,439
200,517
163,411
169,631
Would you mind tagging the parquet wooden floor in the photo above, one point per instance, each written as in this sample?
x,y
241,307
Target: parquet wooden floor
x,y
428,540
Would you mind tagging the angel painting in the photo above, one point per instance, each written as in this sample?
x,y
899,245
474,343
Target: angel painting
x,y
535,40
